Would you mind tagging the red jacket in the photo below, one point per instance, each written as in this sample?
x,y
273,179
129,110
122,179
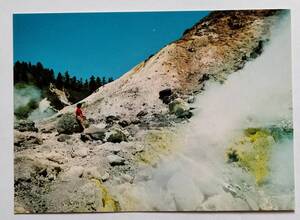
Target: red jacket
x,y
79,112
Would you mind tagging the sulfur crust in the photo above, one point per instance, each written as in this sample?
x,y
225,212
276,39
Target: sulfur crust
x,y
253,152
108,203
159,142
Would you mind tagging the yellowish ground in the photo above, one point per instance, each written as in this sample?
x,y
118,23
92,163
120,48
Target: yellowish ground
x,y
253,152
159,142
108,203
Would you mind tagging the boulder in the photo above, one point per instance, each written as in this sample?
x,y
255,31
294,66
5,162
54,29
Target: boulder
x,y
25,125
136,121
115,160
186,114
68,124
105,176
142,113
165,95
96,133
85,137
111,119
116,136
191,99
127,178
180,108
123,123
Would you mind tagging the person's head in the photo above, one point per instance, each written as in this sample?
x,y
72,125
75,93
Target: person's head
x,y
79,105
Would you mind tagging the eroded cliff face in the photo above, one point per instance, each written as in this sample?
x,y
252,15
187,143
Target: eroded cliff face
x,y
219,45
144,149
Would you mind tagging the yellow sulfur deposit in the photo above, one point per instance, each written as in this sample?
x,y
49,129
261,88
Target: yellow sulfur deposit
x,y
159,142
108,203
252,152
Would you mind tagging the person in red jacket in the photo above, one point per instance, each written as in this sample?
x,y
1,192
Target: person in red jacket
x,y
79,115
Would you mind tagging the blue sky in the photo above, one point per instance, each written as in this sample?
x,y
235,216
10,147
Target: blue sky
x,y
103,44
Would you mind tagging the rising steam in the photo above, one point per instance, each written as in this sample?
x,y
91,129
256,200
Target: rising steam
x,y
26,94
198,177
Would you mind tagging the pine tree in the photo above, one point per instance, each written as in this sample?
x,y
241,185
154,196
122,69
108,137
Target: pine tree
x,y
86,85
59,81
73,83
98,82
92,84
39,66
52,77
110,79
103,80
66,79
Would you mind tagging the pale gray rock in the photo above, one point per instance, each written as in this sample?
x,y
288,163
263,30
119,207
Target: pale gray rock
x,y
180,108
115,160
56,158
73,173
127,178
95,133
105,176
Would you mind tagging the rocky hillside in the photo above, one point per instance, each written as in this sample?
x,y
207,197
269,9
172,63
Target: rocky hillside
x,y
133,124
218,45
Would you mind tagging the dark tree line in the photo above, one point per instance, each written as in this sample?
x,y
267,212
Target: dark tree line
x,y
41,77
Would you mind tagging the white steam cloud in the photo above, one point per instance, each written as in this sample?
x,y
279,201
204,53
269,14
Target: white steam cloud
x,y
44,110
27,93
197,177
